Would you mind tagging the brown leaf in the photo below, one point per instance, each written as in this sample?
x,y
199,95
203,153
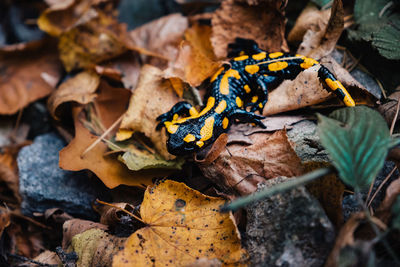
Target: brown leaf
x,y
4,219
389,108
111,215
161,36
153,96
99,38
196,60
345,238
321,43
57,215
263,23
81,88
24,76
384,212
329,192
240,167
46,257
77,226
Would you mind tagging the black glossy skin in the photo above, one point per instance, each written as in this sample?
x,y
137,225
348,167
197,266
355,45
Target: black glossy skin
x,y
189,134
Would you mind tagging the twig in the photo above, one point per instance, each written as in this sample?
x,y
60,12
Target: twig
x,y
121,209
381,185
293,182
98,140
395,116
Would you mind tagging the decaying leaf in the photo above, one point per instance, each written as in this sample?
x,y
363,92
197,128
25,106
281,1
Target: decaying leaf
x,y
182,225
388,109
23,78
329,192
110,104
384,212
80,88
96,247
264,23
99,38
77,226
46,257
196,60
241,167
153,96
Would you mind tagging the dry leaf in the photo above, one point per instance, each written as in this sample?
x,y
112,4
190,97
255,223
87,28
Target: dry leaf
x,y
263,23
329,192
153,96
96,247
241,167
388,109
81,88
317,44
4,219
46,257
183,225
77,226
23,78
384,212
111,215
161,36
99,38
196,60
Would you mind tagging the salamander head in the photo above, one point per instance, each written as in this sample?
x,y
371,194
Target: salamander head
x,y
182,142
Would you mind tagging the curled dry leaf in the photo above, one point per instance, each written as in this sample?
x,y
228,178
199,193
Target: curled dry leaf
x,y
81,88
241,167
96,247
23,78
99,38
263,23
77,226
182,225
161,36
153,96
57,215
111,215
345,238
196,60
110,104
321,42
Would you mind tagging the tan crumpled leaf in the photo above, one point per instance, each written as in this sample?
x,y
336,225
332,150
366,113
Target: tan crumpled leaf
x,y
153,96
196,60
99,38
161,36
110,104
96,247
321,42
81,88
263,23
46,257
76,226
241,167
183,225
24,78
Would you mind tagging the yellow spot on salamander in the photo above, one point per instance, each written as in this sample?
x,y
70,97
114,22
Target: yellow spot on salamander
x,y
200,143
206,131
221,107
241,58
336,85
239,102
260,105
193,111
246,87
308,63
215,76
224,84
259,56
209,106
225,123
276,66
275,55
254,99
171,128
176,116
252,68
189,138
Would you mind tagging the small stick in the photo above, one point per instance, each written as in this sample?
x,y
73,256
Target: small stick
x,y
381,185
395,116
121,209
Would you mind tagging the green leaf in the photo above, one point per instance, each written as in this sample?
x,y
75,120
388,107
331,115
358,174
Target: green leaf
x,y
321,3
396,214
357,140
387,39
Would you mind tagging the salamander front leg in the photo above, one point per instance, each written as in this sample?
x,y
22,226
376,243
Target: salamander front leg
x,y
178,110
241,45
245,116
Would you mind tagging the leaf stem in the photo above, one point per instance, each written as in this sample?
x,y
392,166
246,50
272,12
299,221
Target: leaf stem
x,y
282,187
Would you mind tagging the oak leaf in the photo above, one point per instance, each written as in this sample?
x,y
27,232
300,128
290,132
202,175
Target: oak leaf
x,y
182,225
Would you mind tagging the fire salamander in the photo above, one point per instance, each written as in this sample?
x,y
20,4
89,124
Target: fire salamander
x,y
235,92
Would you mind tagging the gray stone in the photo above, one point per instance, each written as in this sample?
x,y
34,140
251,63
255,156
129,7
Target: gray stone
x,y
44,185
288,229
307,145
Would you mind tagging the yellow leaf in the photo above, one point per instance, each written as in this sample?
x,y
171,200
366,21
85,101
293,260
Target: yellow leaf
x,y
183,225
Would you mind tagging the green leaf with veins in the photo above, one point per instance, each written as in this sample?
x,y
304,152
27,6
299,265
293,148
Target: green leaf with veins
x,y
357,140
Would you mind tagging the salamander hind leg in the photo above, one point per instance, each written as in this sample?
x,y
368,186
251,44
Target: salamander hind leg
x,y
178,110
245,116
